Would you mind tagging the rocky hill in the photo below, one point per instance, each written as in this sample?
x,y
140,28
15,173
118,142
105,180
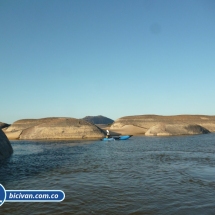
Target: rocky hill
x,y
53,128
156,125
98,119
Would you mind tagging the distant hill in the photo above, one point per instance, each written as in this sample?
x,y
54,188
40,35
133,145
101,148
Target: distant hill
x,y
4,125
98,119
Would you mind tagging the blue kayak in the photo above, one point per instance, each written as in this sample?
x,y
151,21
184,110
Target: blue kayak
x,y
118,138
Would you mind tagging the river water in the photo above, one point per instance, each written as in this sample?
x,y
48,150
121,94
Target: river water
x,y
142,175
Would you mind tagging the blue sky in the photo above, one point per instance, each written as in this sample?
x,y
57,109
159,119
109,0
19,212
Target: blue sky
x,y
115,58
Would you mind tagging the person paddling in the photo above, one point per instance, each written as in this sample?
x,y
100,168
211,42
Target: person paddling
x,y
108,134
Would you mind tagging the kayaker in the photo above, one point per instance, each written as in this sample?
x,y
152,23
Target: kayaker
x,y
108,134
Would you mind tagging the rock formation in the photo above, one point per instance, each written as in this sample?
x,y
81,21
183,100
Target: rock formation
x,y
162,129
98,119
53,128
4,125
164,125
5,147
71,128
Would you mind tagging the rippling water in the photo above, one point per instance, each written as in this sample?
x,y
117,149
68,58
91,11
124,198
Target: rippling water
x,y
168,175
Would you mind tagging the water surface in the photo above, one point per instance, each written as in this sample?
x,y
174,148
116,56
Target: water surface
x,y
143,175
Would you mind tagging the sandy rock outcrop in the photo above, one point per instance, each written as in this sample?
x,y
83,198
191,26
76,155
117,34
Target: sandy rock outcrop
x,y
5,147
140,124
15,130
162,129
53,128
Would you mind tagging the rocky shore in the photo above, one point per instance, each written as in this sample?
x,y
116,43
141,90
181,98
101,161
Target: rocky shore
x,y
71,128
156,125
53,128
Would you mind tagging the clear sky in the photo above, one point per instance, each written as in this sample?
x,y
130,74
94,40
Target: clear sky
x,y
74,58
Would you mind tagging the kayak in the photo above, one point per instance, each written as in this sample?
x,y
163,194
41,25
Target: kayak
x,y
118,138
